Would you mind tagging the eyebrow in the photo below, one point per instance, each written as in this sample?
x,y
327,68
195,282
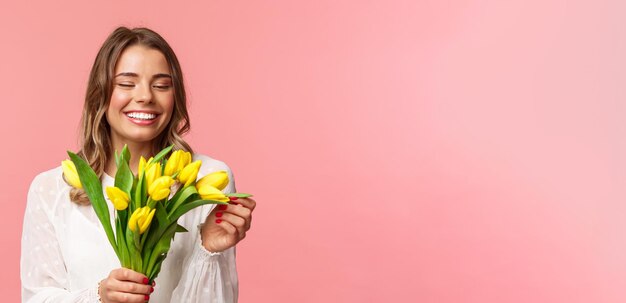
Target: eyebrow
x,y
155,76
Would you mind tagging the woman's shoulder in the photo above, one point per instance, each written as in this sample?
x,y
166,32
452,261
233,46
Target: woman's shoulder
x,y
46,187
48,179
210,164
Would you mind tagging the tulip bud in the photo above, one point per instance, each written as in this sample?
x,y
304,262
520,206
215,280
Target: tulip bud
x,y
71,175
218,179
208,192
160,188
172,163
185,159
189,174
142,165
140,219
153,172
118,197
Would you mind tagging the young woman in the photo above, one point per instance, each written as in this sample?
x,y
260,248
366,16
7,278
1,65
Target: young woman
x,y
135,96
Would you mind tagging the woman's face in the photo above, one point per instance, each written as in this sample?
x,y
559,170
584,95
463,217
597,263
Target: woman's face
x,y
142,101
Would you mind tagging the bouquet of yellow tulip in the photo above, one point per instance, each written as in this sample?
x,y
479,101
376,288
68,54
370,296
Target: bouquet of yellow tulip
x,y
141,243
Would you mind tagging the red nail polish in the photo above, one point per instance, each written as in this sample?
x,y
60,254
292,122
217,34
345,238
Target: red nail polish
x,y
222,207
147,297
233,198
219,214
145,281
151,289
218,221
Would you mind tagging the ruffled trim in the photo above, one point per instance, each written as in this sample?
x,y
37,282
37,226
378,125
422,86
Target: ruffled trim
x,y
200,252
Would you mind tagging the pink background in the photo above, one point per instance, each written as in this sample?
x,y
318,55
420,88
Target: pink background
x,y
400,151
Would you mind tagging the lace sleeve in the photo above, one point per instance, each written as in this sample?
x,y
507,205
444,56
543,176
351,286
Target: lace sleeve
x,y
208,276
43,274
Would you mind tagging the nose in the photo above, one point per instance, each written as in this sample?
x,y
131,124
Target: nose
x,y
144,94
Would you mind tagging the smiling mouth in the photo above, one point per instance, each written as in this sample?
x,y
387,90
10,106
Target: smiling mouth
x,y
141,116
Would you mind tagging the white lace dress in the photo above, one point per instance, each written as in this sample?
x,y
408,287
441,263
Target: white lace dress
x,y
65,251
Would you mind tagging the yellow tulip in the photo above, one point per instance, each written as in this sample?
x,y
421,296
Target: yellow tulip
x,y
177,161
142,165
160,188
153,172
185,160
208,192
189,174
218,179
140,219
71,175
118,197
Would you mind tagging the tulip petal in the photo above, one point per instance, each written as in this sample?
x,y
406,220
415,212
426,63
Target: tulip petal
x,y
118,197
208,192
189,174
160,188
171,167
70,173
218,179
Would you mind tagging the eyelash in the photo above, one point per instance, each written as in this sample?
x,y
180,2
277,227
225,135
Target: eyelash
x,y
155,86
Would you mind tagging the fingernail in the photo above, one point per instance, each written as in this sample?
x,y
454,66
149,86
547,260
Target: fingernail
x,y
145,280
151,289
218,221
153,283
147,297
219,214
222,207
233,198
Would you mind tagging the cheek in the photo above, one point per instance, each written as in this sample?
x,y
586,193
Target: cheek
x,y
118,100
168,104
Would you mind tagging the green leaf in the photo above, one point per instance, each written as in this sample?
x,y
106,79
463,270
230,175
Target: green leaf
x,y
180,197
137,240
162,153
122,217
124,178
156,267
162,246
181,229
93,188
135,255
238,195
139,192
183,209
162,223
125,155
161,214
121,244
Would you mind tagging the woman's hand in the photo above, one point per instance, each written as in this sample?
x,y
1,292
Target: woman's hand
x,y
125,285
226,225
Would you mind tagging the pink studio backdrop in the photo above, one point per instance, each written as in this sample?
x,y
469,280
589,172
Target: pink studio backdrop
x,y
400,151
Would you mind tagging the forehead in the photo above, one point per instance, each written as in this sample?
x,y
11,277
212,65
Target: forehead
x,y
141,60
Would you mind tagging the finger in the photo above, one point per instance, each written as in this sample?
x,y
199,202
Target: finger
x,y
235,210
125,274
247,202
238,222
130,287
229,227
126,297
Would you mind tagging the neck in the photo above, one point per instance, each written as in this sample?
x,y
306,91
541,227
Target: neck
x,y
136,149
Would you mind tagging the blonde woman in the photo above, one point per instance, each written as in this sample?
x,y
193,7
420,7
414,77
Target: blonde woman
x,y
135,96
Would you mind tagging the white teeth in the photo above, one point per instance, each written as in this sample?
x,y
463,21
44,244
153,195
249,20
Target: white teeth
x,y
141,116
